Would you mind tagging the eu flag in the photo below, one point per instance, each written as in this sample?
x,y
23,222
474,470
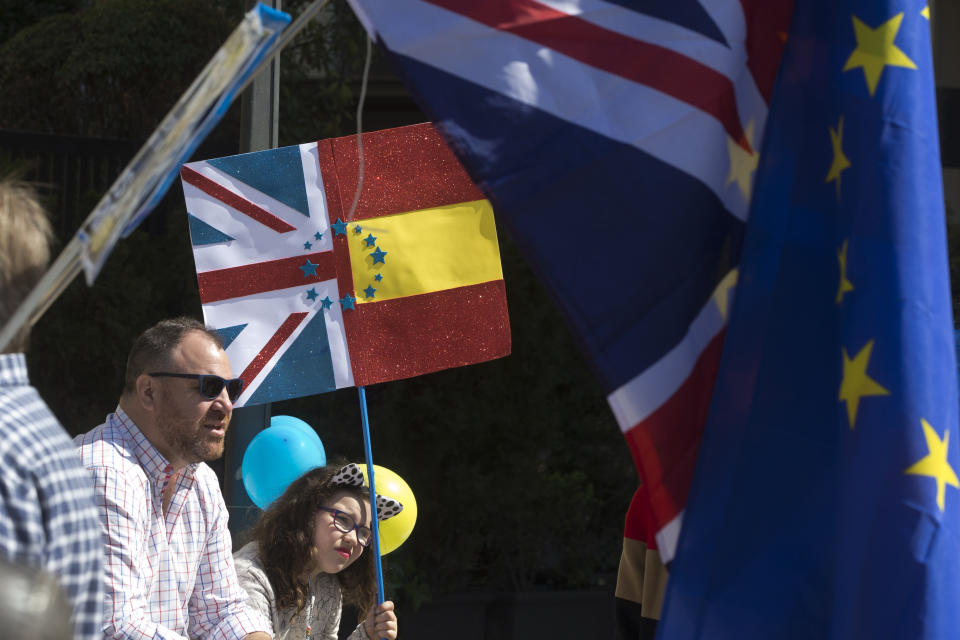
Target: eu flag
x,y
825,501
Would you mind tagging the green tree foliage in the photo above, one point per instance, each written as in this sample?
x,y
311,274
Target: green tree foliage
x,y
319,73
31,68
18,14
113,69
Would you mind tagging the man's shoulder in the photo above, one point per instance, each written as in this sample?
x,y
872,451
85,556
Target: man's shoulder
x,y
38,459
105,447
31,436
23,413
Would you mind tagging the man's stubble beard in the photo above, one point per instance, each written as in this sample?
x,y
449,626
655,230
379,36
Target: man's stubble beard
x,y
189,440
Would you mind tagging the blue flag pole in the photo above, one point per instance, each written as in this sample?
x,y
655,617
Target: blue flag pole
x,y
374,526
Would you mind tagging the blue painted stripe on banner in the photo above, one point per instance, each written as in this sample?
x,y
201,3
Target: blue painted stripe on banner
x,y
229,334
304,369
202,233
275,172
630,289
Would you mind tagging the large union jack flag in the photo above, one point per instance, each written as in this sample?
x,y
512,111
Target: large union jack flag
x,y
618,141
308,302
826,499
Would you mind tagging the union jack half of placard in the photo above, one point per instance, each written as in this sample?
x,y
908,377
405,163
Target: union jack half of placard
x,y
264,256
307,303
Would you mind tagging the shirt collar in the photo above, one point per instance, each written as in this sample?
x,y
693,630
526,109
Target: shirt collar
x,y
13,370
154,464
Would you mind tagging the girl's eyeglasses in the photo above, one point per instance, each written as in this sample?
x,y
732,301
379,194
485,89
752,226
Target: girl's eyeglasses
x,y
210,385
345,523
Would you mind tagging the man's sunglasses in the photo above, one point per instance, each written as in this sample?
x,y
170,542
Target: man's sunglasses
x,y
210,385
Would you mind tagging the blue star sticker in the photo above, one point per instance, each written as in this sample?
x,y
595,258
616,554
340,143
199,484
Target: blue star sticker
x,y
378,256
327,302
378,277
357,229
369,291
307,246
347,301
319,236
308,269
370,240
312,294
339,228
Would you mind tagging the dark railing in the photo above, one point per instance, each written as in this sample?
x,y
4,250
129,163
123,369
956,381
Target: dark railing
x,y
76,170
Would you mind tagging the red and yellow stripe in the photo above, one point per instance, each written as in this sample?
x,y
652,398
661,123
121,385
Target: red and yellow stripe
x,y
440,301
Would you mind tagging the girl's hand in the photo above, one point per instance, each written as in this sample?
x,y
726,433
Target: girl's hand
x,y
381,622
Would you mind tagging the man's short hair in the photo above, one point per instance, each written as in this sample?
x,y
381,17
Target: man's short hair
x,y
154,346
25,236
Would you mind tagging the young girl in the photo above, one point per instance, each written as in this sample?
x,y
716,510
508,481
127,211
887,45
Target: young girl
x,y
309,555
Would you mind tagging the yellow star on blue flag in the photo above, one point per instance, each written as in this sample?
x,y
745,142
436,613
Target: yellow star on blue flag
x,y
876,50
935,464
827,471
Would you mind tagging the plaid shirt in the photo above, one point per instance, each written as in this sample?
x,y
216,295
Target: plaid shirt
x,y
166,576
47,517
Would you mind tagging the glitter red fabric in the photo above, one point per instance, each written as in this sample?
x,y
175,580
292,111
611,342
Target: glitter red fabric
x,y
407,337
404,169
247,280
409,169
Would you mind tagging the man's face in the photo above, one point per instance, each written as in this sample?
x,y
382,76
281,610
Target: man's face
x,y
193,426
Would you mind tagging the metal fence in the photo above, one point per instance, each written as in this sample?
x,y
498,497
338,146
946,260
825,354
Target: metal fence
x,y
74,171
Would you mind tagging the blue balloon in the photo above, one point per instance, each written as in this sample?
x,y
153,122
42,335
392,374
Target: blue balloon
x,y
277,456
281,421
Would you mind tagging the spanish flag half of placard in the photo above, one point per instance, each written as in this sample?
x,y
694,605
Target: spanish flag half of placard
x,y
310,299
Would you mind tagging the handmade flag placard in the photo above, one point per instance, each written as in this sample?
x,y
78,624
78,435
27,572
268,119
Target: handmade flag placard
x,y
307,301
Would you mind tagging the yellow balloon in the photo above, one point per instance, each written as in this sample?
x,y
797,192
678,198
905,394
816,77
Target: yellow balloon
x,y
393,531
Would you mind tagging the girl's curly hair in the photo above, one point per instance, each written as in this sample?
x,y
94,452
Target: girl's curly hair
x,y
284,537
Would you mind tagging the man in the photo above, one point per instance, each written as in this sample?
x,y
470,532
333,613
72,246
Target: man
x,y
47,517
169,568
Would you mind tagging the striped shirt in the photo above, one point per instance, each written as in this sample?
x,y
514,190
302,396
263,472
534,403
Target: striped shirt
x,y
47,517
170,575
